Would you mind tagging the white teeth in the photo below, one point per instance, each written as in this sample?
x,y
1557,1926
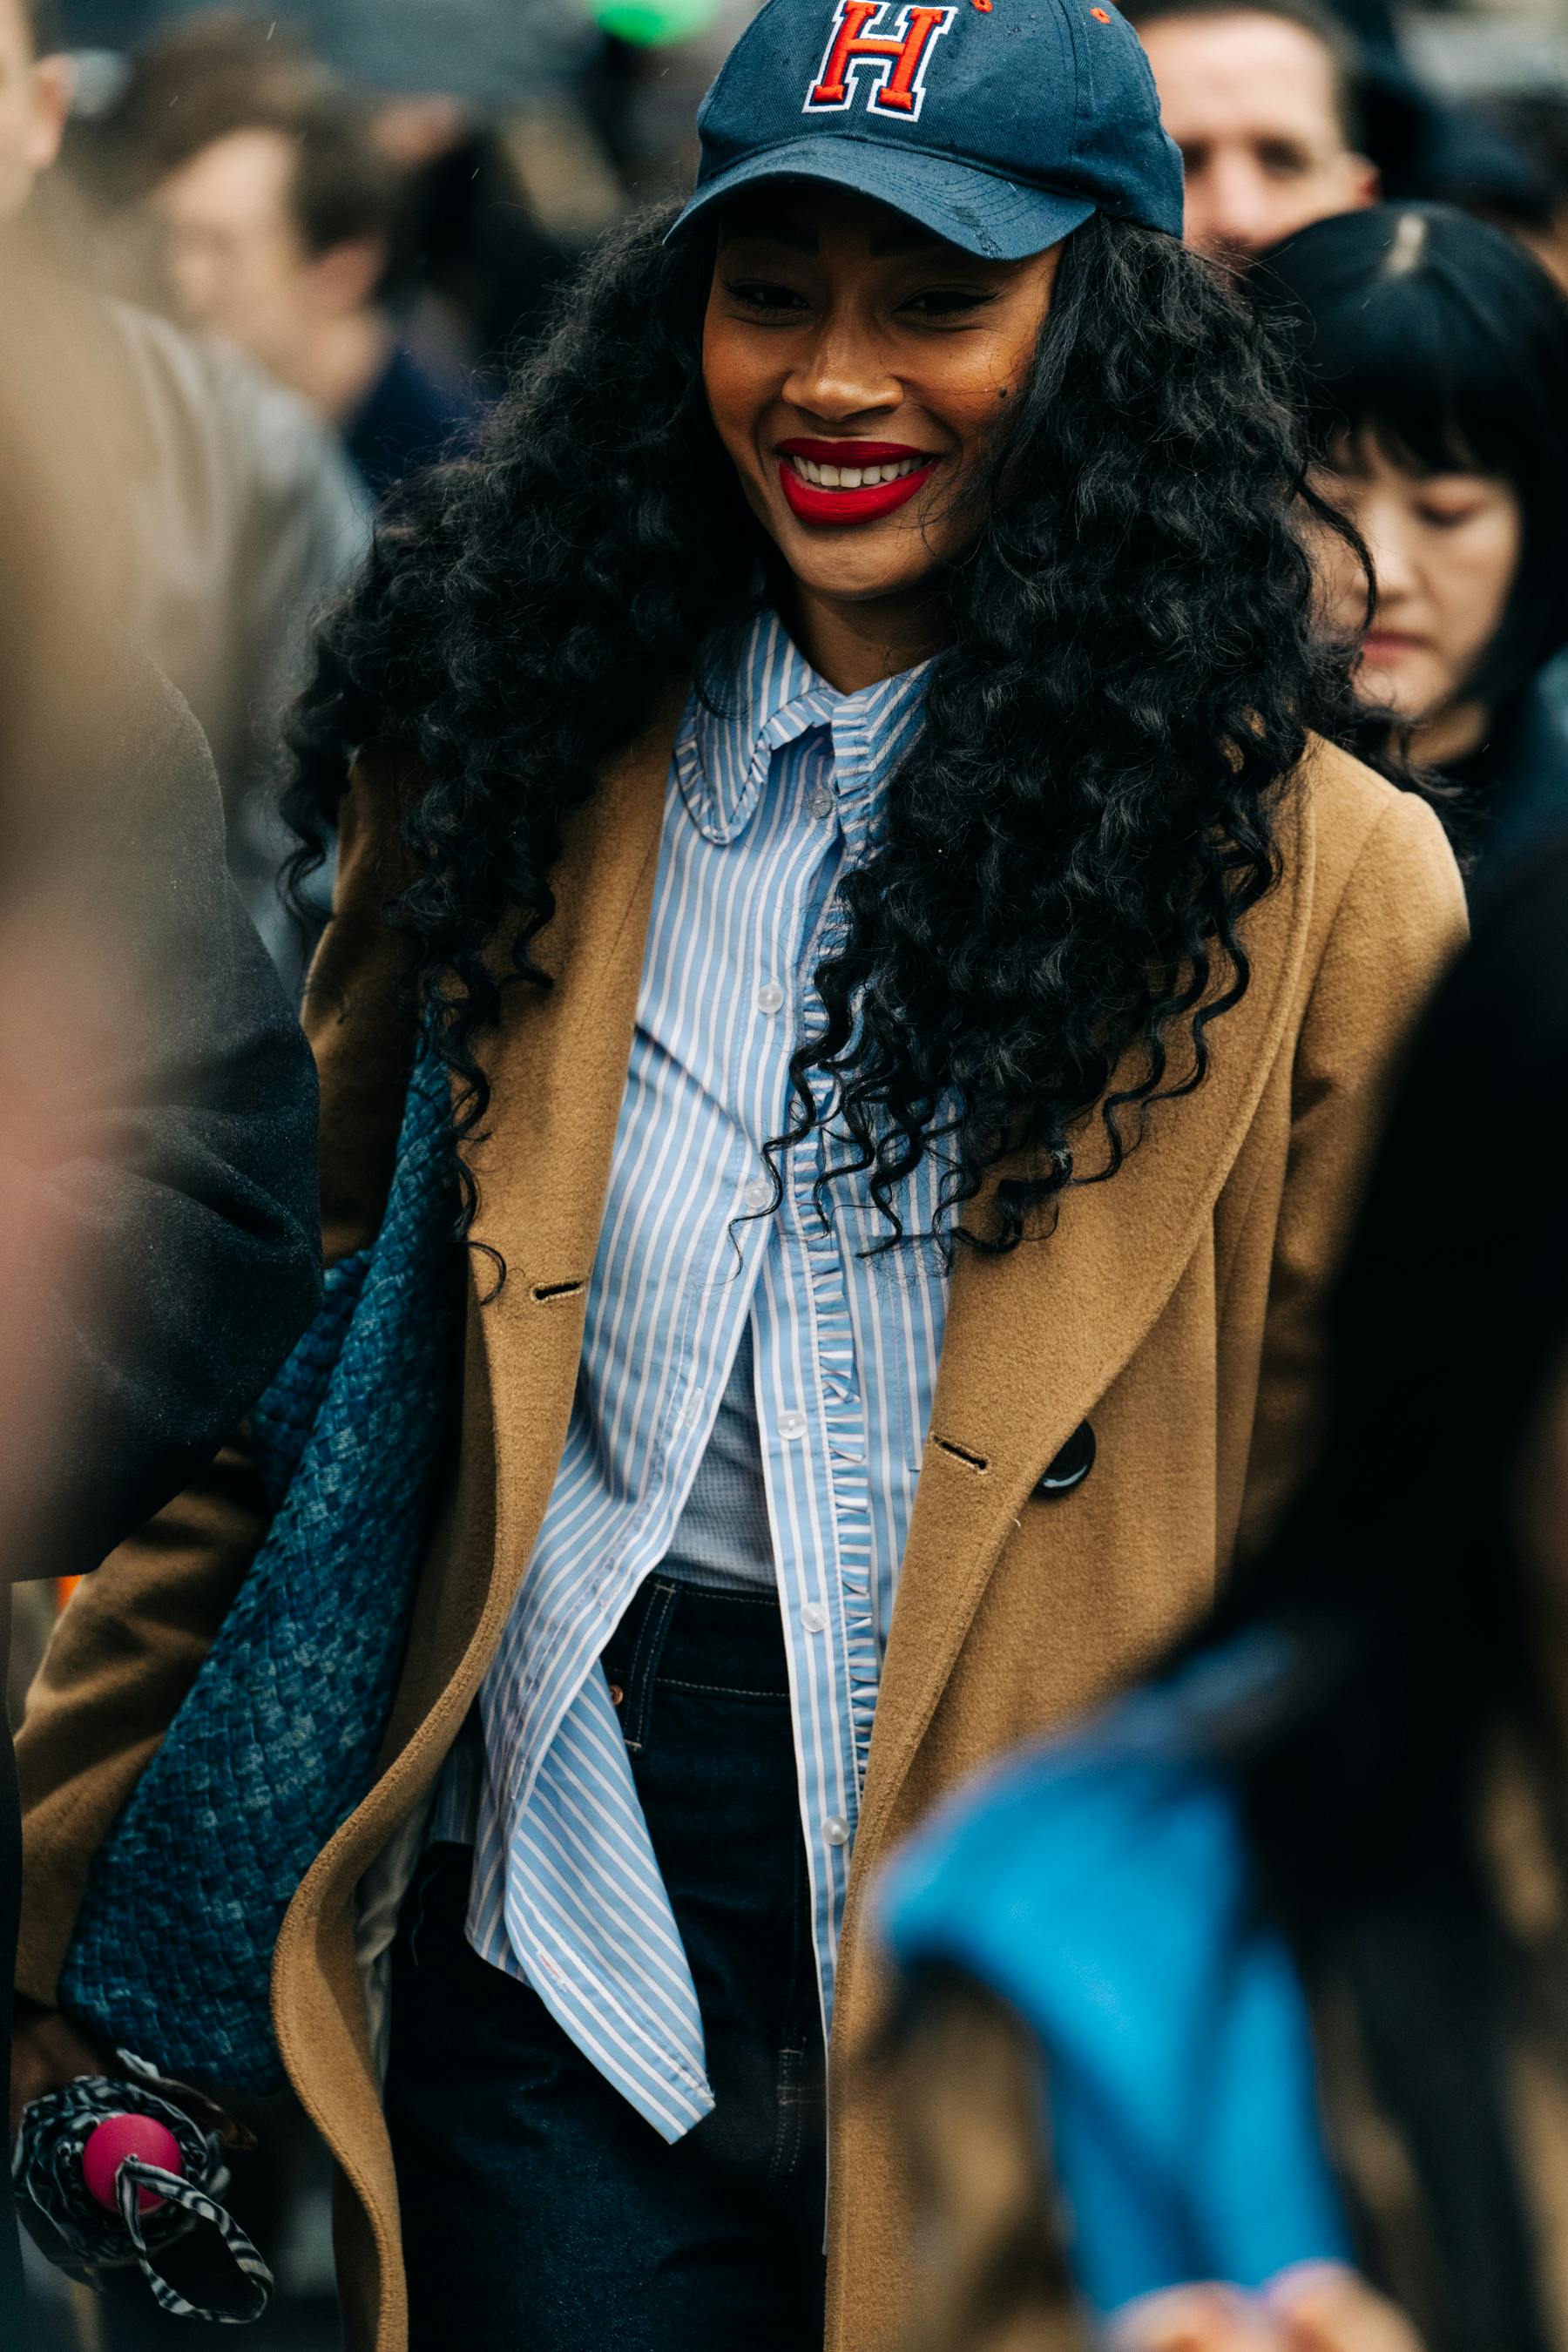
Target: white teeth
x,y
854,478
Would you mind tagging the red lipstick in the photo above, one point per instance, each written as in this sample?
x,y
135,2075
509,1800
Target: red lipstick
x,y
870,502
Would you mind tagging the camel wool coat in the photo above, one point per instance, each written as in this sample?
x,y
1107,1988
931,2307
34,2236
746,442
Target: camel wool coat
x,y
1174,1308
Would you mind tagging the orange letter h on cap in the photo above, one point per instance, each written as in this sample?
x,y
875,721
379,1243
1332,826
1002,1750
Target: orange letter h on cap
x,y
899,62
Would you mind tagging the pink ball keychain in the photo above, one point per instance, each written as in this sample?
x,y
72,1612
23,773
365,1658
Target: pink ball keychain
x,y
110,2142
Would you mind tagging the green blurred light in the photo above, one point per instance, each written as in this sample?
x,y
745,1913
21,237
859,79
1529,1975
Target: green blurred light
x,y
654,24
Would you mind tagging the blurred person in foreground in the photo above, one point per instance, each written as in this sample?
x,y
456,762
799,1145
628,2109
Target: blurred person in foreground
x,y
158,1251
229,516
279,224
847,796
1269,1965
1431,355
1263,98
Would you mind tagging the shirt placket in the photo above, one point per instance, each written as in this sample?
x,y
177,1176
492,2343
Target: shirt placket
x,y
844,1402
827,1599
566,1883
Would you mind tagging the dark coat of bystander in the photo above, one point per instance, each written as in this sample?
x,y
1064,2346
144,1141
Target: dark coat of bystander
x,y
158,1242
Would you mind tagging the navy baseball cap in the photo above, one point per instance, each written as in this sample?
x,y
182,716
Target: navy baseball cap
x,y
999,124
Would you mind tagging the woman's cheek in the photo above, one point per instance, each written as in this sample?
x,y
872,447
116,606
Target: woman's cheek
x,y
1476,576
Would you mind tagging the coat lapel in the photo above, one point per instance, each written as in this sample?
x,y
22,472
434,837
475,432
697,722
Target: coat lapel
x,y
1034,1338
557,1066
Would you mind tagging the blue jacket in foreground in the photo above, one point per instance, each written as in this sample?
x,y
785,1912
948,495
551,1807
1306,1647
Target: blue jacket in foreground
x,y
1101,1887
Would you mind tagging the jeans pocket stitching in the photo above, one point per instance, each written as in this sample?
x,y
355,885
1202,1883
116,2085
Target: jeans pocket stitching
x,y
643,1667
786,2136
724,1690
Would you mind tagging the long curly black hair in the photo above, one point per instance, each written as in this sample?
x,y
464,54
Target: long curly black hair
x,y
1057,911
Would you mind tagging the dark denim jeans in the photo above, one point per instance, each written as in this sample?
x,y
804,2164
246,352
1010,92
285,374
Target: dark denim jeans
x,y
540,2213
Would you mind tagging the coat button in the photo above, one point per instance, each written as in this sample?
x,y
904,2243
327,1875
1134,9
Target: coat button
x,y
1071,1466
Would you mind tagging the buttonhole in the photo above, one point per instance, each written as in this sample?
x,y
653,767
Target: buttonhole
x,y
962,1454
544,1292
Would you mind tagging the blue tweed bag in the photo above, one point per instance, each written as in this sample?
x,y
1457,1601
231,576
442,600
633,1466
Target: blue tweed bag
x,y
276,1741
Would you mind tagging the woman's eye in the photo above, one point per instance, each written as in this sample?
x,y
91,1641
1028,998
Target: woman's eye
x,y
762,294
946,302
1446,518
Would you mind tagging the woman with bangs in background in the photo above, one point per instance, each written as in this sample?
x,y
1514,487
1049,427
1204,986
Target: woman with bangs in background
x,y
1432,352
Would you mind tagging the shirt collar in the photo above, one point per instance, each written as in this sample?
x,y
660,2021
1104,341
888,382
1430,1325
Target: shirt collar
x,y
765,697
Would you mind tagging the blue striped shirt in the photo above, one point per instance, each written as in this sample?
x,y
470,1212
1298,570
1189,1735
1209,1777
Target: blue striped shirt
x,y
776,788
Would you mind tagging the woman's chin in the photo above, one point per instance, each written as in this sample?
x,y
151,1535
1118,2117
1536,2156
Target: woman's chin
x,y
852,562
852,567
1406,689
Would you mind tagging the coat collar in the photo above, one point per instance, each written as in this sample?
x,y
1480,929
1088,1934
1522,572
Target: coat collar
x,y
557,1066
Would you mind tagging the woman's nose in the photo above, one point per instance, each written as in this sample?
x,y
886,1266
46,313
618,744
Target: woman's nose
x,y
1394,568
842,375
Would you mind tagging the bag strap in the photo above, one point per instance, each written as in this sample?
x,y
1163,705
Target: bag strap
x,y
136,2174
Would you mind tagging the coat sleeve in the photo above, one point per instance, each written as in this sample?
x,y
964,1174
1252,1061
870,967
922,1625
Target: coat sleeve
x,y
162,1171
134,1637
1399,920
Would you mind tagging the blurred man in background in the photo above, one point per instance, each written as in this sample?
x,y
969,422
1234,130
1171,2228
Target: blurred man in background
x,y
231,516
1263,101
279,222
479,173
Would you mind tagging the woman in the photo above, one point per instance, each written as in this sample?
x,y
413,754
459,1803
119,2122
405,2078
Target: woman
x,y
1432,355
1369,1734
839,776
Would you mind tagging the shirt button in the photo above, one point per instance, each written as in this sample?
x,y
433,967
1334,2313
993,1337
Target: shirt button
x,y
759,1194
792,1425
691,1412
814,1617
821,802
770,997
836,1830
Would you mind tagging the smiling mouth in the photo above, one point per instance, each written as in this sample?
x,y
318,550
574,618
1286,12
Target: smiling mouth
x,y
853,477
833,483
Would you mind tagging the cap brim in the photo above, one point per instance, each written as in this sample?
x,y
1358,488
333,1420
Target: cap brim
x,y
998,219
